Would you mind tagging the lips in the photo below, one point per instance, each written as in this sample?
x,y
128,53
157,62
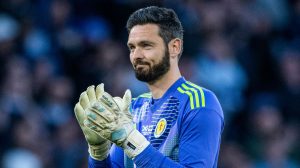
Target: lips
x,y
140,64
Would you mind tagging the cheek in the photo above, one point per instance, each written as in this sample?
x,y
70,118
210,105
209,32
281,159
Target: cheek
x,y
131,58
153,56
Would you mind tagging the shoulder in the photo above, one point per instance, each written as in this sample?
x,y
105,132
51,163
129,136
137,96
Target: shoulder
x,y
200,107
196,98
191,94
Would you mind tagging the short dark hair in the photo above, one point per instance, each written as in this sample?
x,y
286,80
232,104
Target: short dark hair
x,y
167,20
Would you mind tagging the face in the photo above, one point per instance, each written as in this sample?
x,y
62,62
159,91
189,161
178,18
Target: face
x,y
148,53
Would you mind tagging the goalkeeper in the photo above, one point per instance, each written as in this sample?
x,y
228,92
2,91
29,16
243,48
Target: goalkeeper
x,y
177,124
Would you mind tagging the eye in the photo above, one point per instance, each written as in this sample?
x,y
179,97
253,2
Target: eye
x,y
147,46
131,48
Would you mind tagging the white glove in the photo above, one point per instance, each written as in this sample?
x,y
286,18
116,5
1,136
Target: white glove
x,y
98,146
110,118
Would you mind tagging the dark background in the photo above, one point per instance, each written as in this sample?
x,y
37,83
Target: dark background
x,y
246,51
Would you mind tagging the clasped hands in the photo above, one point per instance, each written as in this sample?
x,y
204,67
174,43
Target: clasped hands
x,y
104,120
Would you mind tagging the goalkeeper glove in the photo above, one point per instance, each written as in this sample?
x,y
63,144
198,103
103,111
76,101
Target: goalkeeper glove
x,y
110,118
98,146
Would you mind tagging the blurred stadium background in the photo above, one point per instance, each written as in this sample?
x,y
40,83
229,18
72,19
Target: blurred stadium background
x,y
246,51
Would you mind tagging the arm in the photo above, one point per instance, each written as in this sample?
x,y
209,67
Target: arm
x,y
199,133
114,160
92,163
100,150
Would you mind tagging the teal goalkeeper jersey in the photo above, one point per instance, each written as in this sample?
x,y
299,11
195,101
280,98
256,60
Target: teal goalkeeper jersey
x,y
183,127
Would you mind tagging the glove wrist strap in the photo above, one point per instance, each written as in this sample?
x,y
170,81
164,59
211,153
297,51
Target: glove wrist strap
x,y
135,144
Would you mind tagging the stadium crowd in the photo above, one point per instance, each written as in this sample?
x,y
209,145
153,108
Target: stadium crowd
x,y
246,51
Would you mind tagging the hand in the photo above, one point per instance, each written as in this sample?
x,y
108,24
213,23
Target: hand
x,y
98,146
110,118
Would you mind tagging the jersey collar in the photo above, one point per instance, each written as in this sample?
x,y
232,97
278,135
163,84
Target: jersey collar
x,y
171,89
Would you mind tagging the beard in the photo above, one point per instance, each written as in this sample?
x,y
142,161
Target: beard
x,y
154,72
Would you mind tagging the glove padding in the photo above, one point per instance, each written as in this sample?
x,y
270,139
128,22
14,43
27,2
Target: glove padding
x,y
110,118
98,147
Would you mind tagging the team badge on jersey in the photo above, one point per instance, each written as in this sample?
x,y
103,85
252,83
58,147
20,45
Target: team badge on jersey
x,y
160,128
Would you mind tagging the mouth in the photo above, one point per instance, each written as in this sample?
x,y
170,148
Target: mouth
x,y
139,66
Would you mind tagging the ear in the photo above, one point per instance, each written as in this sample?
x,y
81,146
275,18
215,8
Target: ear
x,y
175,47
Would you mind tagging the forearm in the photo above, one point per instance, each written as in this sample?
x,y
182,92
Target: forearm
x,y
151,158
114,160
92,163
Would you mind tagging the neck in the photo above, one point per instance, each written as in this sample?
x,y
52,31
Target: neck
x,y
159,87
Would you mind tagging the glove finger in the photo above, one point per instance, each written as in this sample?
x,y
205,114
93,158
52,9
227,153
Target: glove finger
x,y
79,113
106,98
101,116
99,91
126,104
84,100
126,100
102,130
91,94
108,101
119,101
91,124
92,136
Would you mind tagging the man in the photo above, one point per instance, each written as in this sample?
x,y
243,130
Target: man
x,y
177,124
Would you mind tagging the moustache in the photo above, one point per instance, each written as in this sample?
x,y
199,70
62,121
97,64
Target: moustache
x,y
140,62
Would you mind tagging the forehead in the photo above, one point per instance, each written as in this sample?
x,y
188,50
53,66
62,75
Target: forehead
x,y
146,32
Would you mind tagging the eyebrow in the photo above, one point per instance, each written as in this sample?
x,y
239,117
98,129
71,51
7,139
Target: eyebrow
x,y
141,43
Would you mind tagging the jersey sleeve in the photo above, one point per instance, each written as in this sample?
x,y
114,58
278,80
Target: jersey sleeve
x,y
114,160
199,134
92,163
